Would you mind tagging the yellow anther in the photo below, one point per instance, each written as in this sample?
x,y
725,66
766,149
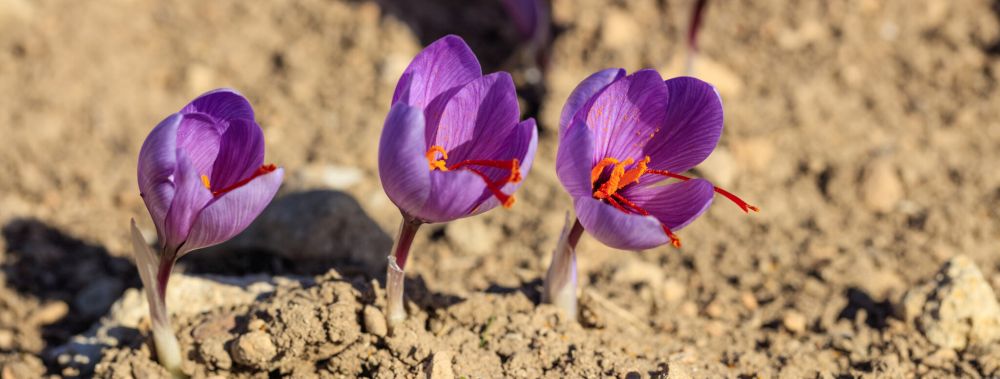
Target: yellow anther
x,y
633,174
204,180
614,183
595,173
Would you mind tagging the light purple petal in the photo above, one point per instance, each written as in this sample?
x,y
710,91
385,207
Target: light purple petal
x,y
222,104
402,160
157,163
523,143
189,200
453,195
585,91
692,126
627,114
477,121
232,212
574,159
198,135
241,153
435,75
675,204
618,229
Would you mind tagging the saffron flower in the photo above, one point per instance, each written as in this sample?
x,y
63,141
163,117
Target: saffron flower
x,y
621,137
202,176
452,147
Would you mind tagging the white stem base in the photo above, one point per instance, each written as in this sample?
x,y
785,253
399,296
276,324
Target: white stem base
x,y
395,312
561,280
168,350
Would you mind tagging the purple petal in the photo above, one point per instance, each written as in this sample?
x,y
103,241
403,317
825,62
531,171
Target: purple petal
x,y
222,104
232,212
478,119
189,200
675,204
402,161
618,229
585,91
435,75
241,153
692,127
627,114
574,159
198,135
523,143
453,195
525,14
157,162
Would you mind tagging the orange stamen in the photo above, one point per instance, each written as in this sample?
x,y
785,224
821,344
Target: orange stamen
x,y
595,173
260,171
633,174
614,183
513,165
432,158
204,180
729,195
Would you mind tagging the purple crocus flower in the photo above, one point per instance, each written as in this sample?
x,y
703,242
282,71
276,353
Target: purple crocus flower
x,y
452,145
202,176
621,137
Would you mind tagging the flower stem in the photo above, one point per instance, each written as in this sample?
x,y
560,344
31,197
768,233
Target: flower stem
x,y
395,311
561,279
154,270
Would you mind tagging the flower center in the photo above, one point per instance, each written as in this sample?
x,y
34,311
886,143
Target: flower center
x,y
219,192
608,190
475,166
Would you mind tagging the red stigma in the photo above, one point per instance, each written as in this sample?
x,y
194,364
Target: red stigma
x,y
265,169
475,166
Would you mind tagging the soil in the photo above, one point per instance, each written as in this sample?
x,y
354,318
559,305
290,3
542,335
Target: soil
x,y
865,130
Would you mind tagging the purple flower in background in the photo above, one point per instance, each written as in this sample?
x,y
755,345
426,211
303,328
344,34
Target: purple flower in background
x,y
452,147
531,18
620,138
202,176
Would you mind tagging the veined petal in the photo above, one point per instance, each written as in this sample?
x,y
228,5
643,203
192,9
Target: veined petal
x,y
435,75
585,91
222,104
691,128
241,153
453,195
522,144
478,119
677,204
190,198
157,163
627,114
573,160
617,229
199,135
232,212
402,161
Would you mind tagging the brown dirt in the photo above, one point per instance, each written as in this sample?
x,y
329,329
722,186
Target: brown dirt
x,y
866,130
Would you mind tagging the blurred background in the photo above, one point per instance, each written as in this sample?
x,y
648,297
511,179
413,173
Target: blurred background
x,y
867,131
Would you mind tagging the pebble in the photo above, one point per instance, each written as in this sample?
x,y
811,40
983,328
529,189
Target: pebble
x,y
794,321
254,349
673,290
374,321
473,235
439,366
6,339
957,309
749,301
50,313
881,188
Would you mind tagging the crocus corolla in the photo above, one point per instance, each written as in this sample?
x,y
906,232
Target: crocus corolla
x,y
202,176
620,138
452,146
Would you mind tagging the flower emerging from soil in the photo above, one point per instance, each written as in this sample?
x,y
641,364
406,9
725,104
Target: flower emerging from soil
x,y
202,176
621,137
452,145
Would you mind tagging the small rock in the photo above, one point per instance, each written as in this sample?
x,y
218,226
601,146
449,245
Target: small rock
x,y
254,349
472,235
881,188
49,313
95,299
943,358
6,339
958,309
673,290
794,321
439,366
749,301
374,321
619,29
